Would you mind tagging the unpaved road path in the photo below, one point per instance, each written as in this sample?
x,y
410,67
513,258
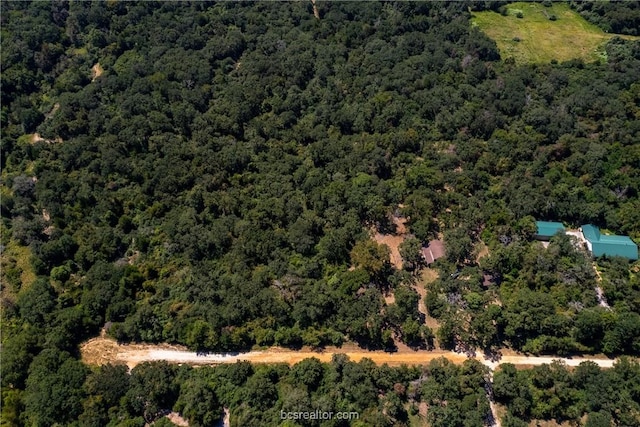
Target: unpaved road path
x,y
102,350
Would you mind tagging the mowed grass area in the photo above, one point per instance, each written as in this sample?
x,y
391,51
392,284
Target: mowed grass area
x,y
540,39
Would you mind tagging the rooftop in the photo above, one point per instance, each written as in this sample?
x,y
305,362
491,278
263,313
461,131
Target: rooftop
x,y
592,234
434,251
548,228
618,240
610,245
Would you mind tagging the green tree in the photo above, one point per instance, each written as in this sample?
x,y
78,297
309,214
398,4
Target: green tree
x,y
54,389
261,391
309,372
598,419
371,256
411,252
105,387
152,389
36,302
458,245
198,402
201,336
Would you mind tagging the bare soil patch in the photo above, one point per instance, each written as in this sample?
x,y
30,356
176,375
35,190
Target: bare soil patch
x,y
55,108
316,13
482,250
393,241
423,408
36,137
96,71
390,298
102,350
547,423
428,275
422,292
177,419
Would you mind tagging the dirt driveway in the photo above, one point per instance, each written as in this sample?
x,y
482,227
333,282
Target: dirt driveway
x,y
102,350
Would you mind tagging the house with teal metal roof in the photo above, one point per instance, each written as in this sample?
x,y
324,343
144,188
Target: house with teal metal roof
x,y
545,230
609,245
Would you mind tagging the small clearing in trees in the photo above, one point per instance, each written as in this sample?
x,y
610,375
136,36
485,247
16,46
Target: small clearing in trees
x,y
482,250
96,71
393,241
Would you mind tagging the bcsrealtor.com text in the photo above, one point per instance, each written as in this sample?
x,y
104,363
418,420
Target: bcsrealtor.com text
x,y
318,415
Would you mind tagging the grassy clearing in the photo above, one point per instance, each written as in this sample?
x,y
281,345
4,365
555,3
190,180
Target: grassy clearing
x,y
540,39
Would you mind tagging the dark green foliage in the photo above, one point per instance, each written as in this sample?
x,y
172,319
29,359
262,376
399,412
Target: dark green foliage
x,y
37,302
553,391
239,185
18,352
152,389
105,388
215,185
455,394
198,402
54,389
615,17
410,252
458,245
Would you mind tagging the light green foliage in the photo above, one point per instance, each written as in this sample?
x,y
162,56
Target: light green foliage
x,y
370,256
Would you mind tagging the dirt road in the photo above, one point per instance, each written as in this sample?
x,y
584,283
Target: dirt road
x,y
102,350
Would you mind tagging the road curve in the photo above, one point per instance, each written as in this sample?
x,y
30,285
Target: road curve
x,y
102,350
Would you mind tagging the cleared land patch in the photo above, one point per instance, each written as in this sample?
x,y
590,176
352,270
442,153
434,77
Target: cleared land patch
x,y
102,350
96,71
535,38
393,241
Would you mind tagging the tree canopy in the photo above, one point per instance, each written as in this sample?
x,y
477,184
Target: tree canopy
x,y
210,173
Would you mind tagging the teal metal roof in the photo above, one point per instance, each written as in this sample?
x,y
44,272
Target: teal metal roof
x,y
616,240
591,233
609,245
548,229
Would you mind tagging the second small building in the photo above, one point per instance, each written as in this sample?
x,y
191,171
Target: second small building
x,y
545,230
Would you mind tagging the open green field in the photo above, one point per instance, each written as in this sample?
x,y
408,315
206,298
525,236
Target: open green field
x,y
540,39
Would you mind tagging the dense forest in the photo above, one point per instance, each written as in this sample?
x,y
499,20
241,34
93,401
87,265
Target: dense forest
x,y
445,394
208,174
619,17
